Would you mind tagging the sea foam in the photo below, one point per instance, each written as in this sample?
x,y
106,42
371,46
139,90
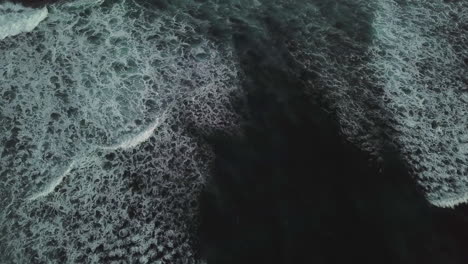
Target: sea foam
x,y
16,19
130,79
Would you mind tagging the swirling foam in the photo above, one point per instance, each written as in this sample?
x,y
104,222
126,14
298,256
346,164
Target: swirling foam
x,y
16,19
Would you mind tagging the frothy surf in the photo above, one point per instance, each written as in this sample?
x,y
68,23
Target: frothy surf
x,y
139,138
101,81
16,19
52,185
106,75
420,66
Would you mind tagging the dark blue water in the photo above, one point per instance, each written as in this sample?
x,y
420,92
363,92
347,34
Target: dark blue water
x,y
292,189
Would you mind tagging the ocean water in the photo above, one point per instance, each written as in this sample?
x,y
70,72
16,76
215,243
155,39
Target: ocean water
x,y
96,101
154,131
17,19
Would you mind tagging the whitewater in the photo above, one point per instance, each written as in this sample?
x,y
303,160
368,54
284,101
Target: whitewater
x,y
16,19
98,100
95,97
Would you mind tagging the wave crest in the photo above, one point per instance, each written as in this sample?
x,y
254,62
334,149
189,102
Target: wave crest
x,y
16,19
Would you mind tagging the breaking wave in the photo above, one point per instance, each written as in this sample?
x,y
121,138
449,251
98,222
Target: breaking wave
x,y
16,19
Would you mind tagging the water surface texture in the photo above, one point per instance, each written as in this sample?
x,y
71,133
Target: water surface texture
x,y
119,118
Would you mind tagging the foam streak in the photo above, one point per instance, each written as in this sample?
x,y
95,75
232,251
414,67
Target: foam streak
x,y
138,139
52,185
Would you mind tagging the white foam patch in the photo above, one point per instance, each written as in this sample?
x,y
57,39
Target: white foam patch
x,y
402,78
82,3
89,77
16,19
103,86
418,53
